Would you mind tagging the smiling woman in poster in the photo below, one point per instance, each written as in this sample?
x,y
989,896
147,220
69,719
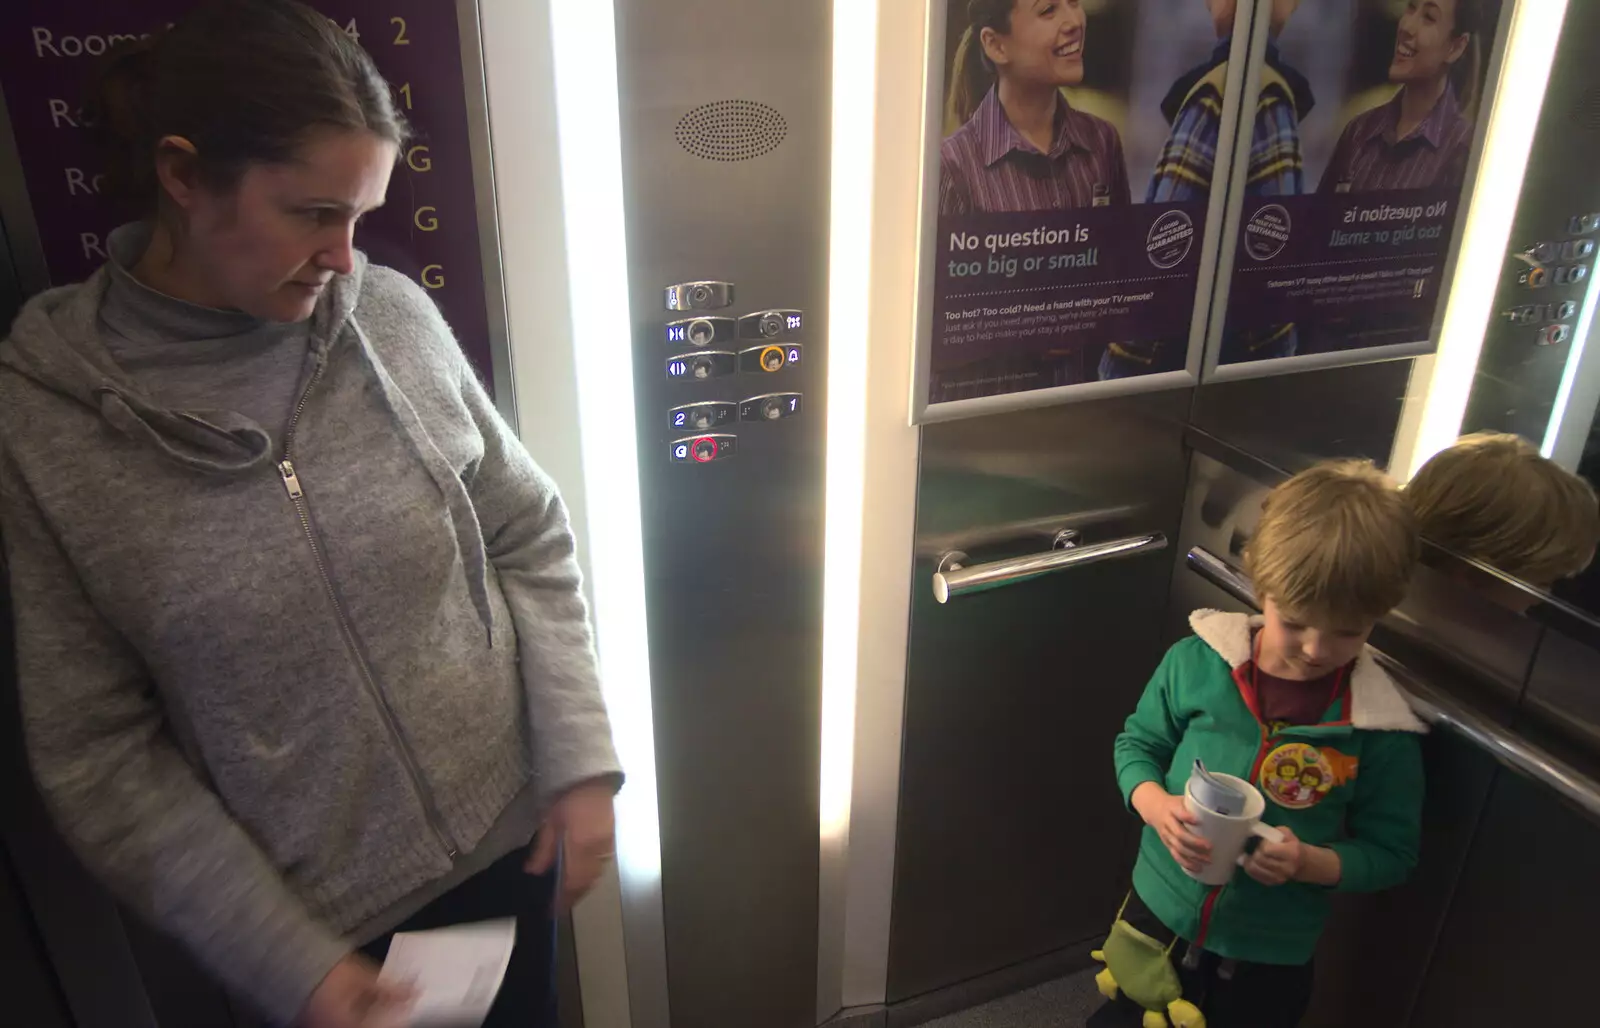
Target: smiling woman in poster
x,y
1422,137
1021,146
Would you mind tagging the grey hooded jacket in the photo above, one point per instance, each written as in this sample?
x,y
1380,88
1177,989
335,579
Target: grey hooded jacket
x,y
269,692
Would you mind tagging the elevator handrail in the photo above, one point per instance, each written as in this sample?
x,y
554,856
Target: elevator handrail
x,y
1434,707
952,579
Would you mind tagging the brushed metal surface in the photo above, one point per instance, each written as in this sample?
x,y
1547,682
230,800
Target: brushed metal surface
x,y
733,549
1013,696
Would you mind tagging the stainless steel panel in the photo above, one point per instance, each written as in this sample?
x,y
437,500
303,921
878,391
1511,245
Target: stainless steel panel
x,y
1518,946
1014,696
733,549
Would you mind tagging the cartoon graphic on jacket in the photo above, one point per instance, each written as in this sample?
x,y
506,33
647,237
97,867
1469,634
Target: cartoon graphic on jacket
x,y
1352,783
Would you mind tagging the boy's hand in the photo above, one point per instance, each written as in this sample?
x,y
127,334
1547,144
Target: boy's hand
x,y
1274,863
1170,817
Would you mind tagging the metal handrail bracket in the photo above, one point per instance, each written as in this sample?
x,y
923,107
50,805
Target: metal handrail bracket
x,y
952,579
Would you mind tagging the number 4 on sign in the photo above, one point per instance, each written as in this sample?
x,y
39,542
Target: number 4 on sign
x,y
349,30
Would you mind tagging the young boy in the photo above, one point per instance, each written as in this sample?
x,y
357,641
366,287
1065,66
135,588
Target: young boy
x,y
1291,702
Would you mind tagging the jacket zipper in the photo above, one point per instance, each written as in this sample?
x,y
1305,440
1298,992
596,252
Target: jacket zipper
x,y
297,495
1208,907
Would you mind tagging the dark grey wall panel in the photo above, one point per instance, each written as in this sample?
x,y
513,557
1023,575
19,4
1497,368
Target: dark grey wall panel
x,y
1012,840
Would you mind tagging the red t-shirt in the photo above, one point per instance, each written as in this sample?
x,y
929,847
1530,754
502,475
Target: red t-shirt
x,y
1291,702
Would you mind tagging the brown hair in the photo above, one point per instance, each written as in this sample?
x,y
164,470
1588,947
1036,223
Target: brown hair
x,y
1335,543
1471,19
972,75
245,81
1494,498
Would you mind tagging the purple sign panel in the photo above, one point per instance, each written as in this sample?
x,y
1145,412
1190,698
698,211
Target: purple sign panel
x,y
1371,106
1078,148
429,227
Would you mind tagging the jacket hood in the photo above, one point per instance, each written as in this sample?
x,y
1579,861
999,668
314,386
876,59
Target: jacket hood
x,y
1376,703
55,343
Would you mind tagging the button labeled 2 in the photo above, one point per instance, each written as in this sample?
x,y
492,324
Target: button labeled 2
x,y
772,407
698,417
770,358
697,367
703,449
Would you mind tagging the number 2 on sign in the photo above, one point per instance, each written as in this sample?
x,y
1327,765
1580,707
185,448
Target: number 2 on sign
x,y
400,32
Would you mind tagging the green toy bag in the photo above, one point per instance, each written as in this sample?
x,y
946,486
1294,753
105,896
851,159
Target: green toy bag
x,y
1141,968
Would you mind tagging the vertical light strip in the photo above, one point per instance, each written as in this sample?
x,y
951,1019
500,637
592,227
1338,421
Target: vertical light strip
x,y
1530,51
589,129
1569,374
855,58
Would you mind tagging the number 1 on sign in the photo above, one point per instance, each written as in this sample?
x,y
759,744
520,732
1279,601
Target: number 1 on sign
x,y
400,32
405,93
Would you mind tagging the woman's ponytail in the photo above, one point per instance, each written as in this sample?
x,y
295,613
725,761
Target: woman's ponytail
x,y
972,74
1466,73
117,113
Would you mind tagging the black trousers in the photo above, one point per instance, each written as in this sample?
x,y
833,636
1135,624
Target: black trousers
x,y
1231,994
527,998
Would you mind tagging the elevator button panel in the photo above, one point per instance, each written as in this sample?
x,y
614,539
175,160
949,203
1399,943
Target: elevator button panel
x,y
703,449
1584,224
776,325
707,331
770,359
700,367
772,407
700,417
699,296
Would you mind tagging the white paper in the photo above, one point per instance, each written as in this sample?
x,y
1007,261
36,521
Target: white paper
x,y
455,972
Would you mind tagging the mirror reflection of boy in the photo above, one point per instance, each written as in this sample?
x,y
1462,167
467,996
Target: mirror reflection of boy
x,y
1194,108
1266,698
1493,497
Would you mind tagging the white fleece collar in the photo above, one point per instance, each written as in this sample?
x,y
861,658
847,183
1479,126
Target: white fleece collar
x,y
1376,703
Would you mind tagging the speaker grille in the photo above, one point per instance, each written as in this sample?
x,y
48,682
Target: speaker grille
x,y
731,130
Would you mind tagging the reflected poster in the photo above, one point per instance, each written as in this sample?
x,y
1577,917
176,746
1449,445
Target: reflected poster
x,y
1078,140
1381,102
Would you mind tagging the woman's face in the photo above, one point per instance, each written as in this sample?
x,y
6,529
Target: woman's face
x,y
271,245
1426,44
1045,45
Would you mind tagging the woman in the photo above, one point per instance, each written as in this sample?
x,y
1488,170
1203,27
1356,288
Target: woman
x,y
302,653
1021,146
1421,138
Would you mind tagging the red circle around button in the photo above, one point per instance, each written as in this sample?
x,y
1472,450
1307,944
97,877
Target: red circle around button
x,y
694,450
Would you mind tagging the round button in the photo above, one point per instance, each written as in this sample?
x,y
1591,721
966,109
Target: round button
x,y
705,450
773,359
701,368
1537,278
772,408
701,332
701,419
771,326
699,295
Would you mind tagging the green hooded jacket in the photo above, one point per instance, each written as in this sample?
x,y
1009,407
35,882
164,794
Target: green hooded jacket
x,y
1352,783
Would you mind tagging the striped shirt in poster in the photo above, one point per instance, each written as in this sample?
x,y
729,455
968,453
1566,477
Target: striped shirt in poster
x,y
1369,157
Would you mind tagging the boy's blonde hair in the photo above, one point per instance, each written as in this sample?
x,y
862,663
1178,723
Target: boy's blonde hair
x,y
1336,544
1494,498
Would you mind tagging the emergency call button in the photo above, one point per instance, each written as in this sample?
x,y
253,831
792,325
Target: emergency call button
x,y
703,449
770,359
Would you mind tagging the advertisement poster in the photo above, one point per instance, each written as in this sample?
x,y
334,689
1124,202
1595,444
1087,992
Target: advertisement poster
x,y
1078,143
1380,102
429,227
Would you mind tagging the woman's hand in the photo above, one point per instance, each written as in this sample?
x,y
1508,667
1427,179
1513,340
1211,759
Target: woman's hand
x,y
1169,816
582,823
352,997
1274,863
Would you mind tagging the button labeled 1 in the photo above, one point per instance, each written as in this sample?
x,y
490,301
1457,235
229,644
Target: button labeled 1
x,y
770,358
697,367
772,407
703,449
697,417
